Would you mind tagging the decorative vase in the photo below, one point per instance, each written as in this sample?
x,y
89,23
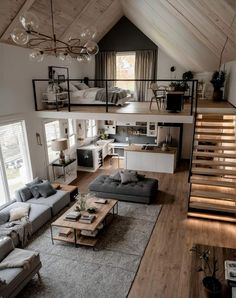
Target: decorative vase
x,y
217,95
212,287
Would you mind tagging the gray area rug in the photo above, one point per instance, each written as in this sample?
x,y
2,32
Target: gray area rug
x,y
108,271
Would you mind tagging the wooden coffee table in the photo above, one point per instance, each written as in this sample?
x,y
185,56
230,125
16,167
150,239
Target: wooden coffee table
x,y
221,254
102,214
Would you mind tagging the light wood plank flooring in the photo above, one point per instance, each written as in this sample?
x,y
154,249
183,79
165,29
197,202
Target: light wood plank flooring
x,y
164,269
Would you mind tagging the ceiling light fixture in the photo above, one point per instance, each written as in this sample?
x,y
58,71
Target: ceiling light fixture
x,y
41,44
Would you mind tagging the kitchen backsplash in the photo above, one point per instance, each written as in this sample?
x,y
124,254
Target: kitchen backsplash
x,y
122,134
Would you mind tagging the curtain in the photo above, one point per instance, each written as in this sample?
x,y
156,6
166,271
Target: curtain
x,y
105,68
145,68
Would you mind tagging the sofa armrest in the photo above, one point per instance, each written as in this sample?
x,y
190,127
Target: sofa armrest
x,y
6,246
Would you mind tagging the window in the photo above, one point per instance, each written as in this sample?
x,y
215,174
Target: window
x,y
52,132
125,69
72,135
15,168
91,128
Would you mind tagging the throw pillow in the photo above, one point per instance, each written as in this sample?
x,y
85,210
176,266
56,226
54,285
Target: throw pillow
x,y
32,187
128,176
116,176
71,86
4,216
25,194
19,212
45,189
82,86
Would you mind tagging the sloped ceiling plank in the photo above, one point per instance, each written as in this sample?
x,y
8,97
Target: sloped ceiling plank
x,y
179,37
11,11
64,13
205,26
156,35
210,12
181,13
75,21
109,18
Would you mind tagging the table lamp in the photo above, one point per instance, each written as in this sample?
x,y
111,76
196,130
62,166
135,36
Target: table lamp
x,y
60,145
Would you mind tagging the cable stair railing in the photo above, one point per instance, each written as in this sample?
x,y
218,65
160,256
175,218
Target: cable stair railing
x,y
212,175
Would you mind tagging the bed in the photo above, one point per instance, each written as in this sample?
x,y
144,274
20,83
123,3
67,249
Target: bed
x,y
97,96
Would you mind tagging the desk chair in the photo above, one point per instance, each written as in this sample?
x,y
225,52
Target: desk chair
x,y
159,95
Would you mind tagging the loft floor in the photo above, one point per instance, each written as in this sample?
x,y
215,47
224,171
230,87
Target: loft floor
x,y
165,267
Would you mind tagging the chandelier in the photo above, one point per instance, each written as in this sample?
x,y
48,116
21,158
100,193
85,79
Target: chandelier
x,y
82,48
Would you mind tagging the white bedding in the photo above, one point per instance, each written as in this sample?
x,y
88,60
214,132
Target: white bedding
x,y
87,96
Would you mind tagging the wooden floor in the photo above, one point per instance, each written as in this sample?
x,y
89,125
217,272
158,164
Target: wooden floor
x,y
164,269
143,108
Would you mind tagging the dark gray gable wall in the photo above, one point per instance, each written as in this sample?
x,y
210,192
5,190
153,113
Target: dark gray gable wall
x,y
125,36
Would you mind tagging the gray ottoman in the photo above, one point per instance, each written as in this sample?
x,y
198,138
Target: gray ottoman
x,y
142,191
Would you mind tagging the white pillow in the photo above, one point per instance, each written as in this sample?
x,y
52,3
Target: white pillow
x,y
82,86
71,86
19,212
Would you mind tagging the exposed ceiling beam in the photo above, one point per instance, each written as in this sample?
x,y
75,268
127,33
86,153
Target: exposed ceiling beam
x,y
77,18
26,6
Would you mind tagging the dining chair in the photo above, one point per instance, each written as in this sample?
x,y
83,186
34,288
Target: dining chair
x,y
159,95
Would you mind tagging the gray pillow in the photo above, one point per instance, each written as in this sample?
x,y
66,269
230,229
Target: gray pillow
x,y
116,176
4,216
128,176
25,194
32,187
45,189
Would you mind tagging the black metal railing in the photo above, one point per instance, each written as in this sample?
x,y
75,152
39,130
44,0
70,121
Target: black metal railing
x,y
37,90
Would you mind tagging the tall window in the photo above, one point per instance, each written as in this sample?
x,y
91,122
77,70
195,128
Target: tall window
x,y
15,168
72,134
91,128
125,69
52,132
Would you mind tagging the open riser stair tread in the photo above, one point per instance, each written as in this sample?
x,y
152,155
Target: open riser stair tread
x,y
206,171
212,147
214,216
213,120
214,163
214,127
219,134
213,181
214,140
214,195
214,154
214,207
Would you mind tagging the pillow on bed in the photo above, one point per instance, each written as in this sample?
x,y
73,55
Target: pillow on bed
x,y
71,86
82,86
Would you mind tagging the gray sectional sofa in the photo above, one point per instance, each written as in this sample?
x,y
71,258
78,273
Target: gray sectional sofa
x,y
41,209
142,191
16,278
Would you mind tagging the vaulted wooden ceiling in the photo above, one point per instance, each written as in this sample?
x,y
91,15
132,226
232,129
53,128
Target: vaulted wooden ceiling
x,y
196,33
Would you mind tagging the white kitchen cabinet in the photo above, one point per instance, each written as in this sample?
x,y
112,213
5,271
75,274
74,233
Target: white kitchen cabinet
x,y
125,123
150,161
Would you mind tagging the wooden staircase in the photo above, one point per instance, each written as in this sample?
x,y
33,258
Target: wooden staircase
x,y
213,168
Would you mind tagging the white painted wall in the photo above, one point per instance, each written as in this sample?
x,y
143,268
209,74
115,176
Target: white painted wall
x,y
164,64
16,95
230,84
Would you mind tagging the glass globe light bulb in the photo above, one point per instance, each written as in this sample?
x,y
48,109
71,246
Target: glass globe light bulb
x,y
65,57
36,55
19,36
29,21
92,47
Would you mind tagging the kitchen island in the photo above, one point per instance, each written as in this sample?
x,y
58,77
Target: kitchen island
x,y
150,158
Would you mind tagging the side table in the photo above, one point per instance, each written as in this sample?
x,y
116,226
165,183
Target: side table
x,y
72,189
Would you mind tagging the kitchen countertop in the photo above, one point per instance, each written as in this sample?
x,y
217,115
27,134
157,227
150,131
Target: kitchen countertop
x,y
156,149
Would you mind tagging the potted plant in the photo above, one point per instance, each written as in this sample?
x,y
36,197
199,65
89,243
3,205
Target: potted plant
x,y
218,79
209,266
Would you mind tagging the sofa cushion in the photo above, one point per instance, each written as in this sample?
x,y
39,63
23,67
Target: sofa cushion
x,y
116,176
19,212
6,246
128,176
57,201
146,187
33,189
25,194
4,216
45,189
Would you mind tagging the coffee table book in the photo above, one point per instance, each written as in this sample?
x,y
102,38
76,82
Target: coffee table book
x,y
103,210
